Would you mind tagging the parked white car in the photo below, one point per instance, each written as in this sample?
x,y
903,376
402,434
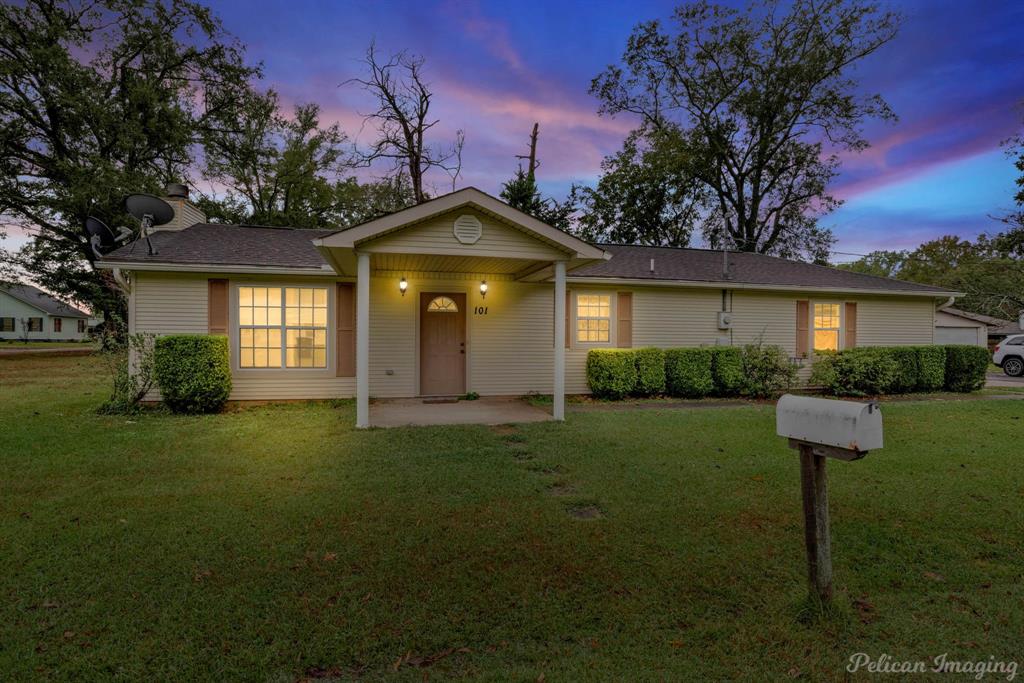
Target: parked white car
x,y
1009,355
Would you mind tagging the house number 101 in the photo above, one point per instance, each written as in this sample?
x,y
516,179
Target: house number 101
x,y
480,310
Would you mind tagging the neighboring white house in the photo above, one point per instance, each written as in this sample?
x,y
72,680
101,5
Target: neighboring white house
x,y
30,313
464,293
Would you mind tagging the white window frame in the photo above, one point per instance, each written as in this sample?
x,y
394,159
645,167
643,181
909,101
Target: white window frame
x,y
236,327
840,331
574,319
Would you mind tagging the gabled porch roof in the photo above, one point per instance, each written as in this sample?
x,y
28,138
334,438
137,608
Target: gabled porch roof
x,y
340,248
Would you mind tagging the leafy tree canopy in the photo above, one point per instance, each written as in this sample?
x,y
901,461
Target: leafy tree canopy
x,y
99,99
754,105
290,170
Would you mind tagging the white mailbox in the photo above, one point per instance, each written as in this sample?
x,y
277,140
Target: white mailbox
x,y
840,429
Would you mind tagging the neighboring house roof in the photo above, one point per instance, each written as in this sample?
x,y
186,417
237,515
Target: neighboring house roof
x,y
217,244
996,326
39,299
236,247
706,265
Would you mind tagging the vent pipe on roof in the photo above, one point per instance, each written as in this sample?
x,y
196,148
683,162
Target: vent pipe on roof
x,y
725,265
176,190
652,265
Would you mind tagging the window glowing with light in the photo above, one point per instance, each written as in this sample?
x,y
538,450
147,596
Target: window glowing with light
x,y
826,327
282,326
442,304
593,318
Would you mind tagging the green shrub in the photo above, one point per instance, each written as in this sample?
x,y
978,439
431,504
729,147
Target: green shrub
x,y
650,371
867,371
874,370
931,366
966,367
908,369
824,371
727,370
193,372
688,372
767,370
611,373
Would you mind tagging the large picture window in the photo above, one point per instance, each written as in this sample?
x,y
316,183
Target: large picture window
x,y
826,327
593,318
282,326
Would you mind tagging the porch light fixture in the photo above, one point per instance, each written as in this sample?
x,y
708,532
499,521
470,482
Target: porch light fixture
x,y
403,285
483,289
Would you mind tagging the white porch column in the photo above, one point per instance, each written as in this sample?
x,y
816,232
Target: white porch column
x,y
558,395
363,341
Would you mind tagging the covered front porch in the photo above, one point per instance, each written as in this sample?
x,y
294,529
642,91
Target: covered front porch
x,y
460,296
409,412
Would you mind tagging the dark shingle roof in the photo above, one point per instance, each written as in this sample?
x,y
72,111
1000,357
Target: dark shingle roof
x,y
212,243
996,326
43,301
705,265
217,244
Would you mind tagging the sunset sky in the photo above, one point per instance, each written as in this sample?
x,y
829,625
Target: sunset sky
x,y
955,77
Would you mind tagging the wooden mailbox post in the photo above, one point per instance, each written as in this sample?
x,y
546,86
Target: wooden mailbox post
x,y
823,428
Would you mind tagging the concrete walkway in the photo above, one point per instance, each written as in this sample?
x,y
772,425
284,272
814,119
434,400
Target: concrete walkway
x,y
485,411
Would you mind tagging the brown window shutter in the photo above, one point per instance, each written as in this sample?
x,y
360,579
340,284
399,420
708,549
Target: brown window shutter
x,y
624,311
345,328
851,325
217,306
803,326
568,319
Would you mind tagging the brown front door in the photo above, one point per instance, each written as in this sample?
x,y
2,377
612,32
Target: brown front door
x,y
442,344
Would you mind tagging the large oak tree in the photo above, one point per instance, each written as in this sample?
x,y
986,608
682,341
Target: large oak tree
x,y
755,106
99,99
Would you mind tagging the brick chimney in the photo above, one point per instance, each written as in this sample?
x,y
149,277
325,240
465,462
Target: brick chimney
x,y
186,214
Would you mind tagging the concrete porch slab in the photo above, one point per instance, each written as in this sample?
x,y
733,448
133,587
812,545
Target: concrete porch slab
x,y
406,412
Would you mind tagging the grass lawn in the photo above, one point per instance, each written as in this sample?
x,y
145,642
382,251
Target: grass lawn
x,y
276,542
17,344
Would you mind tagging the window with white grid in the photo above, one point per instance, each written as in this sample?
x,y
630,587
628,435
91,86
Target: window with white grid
x,y
593,318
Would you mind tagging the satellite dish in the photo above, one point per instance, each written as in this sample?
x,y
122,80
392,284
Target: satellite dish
x,y
150,211
101,238
146,206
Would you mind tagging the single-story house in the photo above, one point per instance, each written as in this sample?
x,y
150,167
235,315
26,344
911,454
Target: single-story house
x,y
994,329
27,312
464,293
953,326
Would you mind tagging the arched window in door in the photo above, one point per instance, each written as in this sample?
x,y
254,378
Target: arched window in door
x,y
442,304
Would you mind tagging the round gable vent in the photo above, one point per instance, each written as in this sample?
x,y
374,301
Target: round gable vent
x,y
467,229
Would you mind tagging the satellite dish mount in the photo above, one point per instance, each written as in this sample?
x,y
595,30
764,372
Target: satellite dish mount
x,y
102,239
150,211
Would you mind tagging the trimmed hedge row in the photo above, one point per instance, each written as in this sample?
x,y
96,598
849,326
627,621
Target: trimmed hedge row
x,y
193,372
754,370
876,370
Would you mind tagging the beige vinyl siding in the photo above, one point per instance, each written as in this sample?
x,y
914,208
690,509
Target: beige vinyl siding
x,y
168,303
509,349
895,322
435,236
670,317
